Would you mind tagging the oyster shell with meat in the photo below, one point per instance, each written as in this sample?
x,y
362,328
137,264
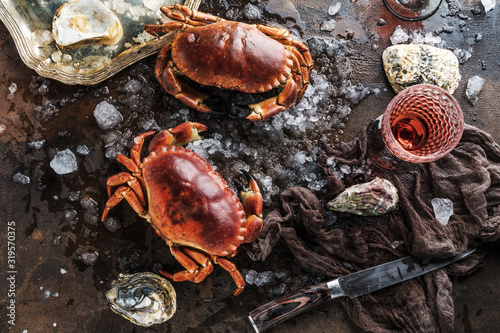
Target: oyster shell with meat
x,y
81,22
409,64
374,198
143,298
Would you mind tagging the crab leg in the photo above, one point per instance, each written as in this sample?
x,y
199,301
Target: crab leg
x,y
191,260
165,73
235,274
135,152
189,16
157,29
185,18
274,32
126,193
133,183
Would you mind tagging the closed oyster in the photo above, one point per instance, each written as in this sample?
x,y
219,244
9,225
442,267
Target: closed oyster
x,y
143,298
409,64
81,22
375,198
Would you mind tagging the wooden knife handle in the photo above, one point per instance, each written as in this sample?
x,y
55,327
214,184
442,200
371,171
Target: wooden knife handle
x,y
288,306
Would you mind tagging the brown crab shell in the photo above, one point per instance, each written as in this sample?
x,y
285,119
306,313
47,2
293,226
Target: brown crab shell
x,y
232,55
190,204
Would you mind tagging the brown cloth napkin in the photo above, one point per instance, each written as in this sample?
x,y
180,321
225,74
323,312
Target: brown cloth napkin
x,y
469,176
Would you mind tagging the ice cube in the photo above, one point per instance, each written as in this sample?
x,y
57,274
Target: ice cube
x,y
463,55
12,88
474,87
251,276
251,12
277,291
443,209
488,5
397,243
88,204
64,162
82,150
111,223
328,25
21,178
132,87
263,278
89,258
334,8
36,144
107,115
70,217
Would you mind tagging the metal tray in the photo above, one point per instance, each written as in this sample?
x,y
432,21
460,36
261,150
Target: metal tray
x,y
90,64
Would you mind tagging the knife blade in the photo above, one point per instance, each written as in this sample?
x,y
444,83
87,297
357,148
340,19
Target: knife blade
x,y
352,285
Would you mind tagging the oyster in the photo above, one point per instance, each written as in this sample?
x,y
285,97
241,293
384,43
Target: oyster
x,y
80,22
143,298
409,64
375,198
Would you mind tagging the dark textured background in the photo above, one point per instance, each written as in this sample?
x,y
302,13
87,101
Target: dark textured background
x,y
207,307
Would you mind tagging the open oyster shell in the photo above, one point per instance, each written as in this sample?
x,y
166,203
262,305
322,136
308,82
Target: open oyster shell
x,y
143,298
81,22
409,64
375,198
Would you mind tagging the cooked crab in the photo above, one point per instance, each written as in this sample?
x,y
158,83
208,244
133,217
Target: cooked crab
x,y
231,55
188,203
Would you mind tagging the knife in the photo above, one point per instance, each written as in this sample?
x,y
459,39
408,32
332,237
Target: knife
x,y
353,285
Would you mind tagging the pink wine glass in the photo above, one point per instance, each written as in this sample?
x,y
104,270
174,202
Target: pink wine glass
x,y
412,10
421,124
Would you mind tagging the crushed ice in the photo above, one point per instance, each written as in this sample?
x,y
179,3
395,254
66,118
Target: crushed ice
x,y
401,35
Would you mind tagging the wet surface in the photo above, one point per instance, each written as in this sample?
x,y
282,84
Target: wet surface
x,y
66,259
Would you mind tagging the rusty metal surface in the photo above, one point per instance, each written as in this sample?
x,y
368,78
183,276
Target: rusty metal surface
x,y
56,292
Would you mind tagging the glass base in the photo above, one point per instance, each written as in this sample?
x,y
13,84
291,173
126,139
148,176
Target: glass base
x,y
412,10
378,152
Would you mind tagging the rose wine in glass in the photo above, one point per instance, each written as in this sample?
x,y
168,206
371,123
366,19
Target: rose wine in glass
x,y
412,10
421,124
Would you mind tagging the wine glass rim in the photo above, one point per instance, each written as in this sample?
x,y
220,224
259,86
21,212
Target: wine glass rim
x,y
411,18
397,149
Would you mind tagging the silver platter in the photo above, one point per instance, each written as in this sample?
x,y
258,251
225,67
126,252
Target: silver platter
x,y
91,64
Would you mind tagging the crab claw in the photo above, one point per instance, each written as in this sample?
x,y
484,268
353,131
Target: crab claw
x,y
179,135
187,132
252,204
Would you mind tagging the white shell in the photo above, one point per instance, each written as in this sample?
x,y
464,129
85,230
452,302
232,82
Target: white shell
x,y
143,298
80,22
375,198
409,64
